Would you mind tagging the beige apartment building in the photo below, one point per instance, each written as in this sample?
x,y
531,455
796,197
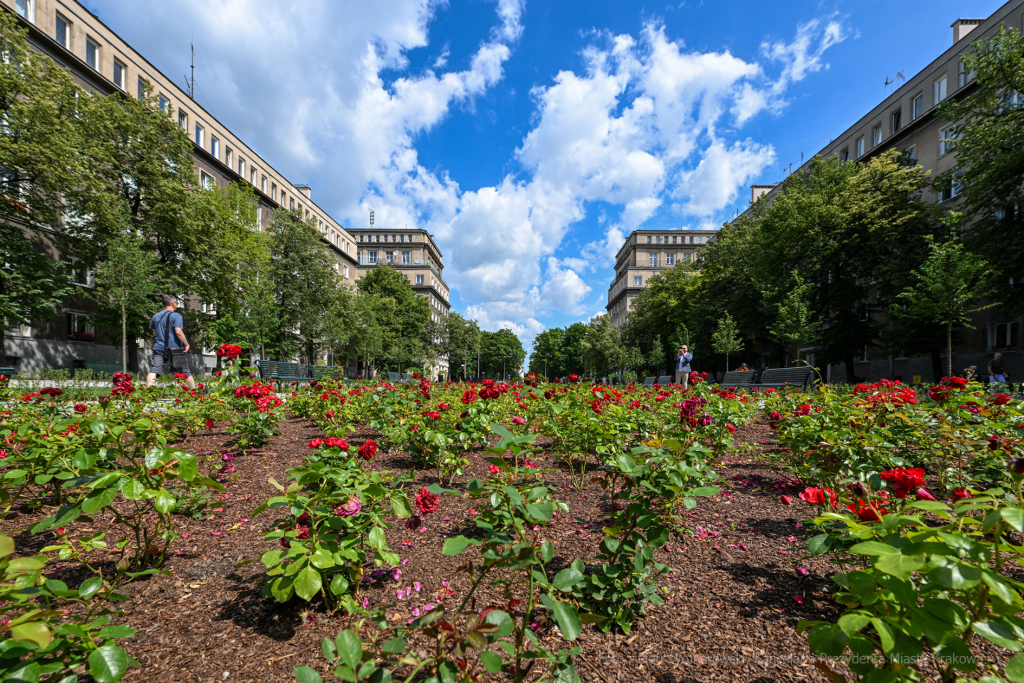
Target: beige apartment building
x,y
413,252
644,254
906,120
100,61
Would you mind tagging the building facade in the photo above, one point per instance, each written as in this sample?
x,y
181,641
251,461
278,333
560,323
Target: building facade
x,y
907,121
100,61
644,254
413,252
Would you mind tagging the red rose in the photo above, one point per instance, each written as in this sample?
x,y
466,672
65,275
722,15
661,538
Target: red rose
x,y
209,424
872,512
961,494
786,500
427,502
730,428
903,481
817,496
368,449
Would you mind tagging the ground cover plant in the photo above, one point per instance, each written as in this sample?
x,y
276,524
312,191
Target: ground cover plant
x,y
531,531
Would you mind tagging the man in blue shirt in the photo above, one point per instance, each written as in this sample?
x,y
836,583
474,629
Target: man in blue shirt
x,y
162,325
683,359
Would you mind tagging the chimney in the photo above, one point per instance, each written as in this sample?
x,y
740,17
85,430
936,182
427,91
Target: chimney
x,y
961,27
756,191
304,190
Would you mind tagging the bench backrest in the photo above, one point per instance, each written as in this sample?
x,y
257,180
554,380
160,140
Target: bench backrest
x,y
322,371
796,376
394,377
8,372
270,369
649,381
665,379
738,377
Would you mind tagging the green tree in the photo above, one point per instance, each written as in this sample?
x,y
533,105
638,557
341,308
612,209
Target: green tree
x,y
795,322
546,358
40,142
402,315
125,285
602,351
455,339
950,284
501,352
656,356
988,139
726,339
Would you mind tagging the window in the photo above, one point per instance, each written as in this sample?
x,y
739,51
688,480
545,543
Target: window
x,y
673,239
273,191
215,146
385,238
360,238
945,141
700,239
917,106
252,177
92,51
1004,335
335,267
419,279
206,180
291,202
346,272
844,154
402,237
207,307
27,9
81,276
263,184
637,281
965,76
241,167
896,121
63,32
259,216
670,259
142,88
938,90
876,135
371,257
200,135
229,157
378,238
80,328
910,153
860,147
183,120
653,258
405,258
950,187
648,239
162,101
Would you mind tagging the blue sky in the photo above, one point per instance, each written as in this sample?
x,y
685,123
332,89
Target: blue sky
x,y
530,137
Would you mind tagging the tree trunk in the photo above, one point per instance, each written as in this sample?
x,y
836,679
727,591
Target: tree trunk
x,y
949,349
850,377
124,340
3,343
936,355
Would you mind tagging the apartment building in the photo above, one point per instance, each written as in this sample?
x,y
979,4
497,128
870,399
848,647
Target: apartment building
x,y
413,252
100,61
644,254
907,120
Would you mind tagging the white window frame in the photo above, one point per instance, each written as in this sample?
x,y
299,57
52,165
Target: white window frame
x,y
214,146
58,19
89,42
896,120
346,272
183,120
263,183
944,138
117,66
206,180
940,89
90,276
638,281
860,147
917,106
406,258
88,327
964,77
652,260
200,135
876,136
29,12
419,280
993,337
670,259
241,168
229,157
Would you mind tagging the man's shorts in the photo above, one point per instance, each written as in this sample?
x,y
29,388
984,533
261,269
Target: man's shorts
x,y
158,364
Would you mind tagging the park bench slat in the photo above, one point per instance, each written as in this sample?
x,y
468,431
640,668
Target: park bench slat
x,y
738,378
280,371
649,381
665,379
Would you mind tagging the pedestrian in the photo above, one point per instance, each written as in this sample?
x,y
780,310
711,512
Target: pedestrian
x,y
743,368
996,371
683,359
162,324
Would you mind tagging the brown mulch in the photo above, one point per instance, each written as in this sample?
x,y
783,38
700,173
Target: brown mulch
x,y
730,611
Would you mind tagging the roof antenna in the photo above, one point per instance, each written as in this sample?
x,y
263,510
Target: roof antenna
x,y
371,216
190,83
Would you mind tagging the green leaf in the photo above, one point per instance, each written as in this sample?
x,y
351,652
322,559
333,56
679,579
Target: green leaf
x,y
339,584
350,648
899,565
376,539
1014,517
6,546
395,646
117,631
400,505
97,500
34,632
188,467
108,664
566,579
491,661
999,633
132,489
1015,669
164,502
540,512
304,674
566,615
307,583
502,620
873,548
853,622
454,546
90,587
547,551
819,544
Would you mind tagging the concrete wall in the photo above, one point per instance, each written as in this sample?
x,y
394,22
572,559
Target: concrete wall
x,y
41,354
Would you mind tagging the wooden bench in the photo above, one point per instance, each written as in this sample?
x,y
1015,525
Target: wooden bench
x,y
787,377
103,368
280,371
319,372
9,372
738,378
649,381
